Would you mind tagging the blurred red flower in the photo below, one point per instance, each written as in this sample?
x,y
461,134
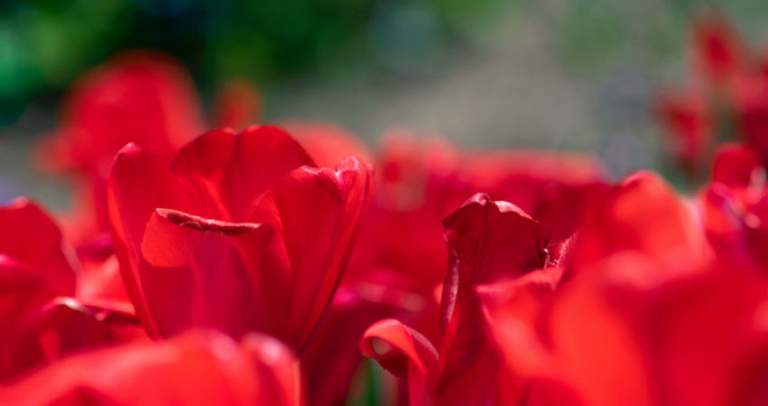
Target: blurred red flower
x,y
192,369
41,318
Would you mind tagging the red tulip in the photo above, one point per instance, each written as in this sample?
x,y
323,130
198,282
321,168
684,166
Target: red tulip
x,y
421,182
488,241
750,105
401,252
193,369
737,166
648,317
718,52
240,232
735,207
553,188
140,97
26,232
38,271
137,97
687,118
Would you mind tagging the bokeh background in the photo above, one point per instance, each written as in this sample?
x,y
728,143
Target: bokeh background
x,y
558,74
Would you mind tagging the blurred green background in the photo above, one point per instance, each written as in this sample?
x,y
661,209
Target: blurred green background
x,y
558,74
44,44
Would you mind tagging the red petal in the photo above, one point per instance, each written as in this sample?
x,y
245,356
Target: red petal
x,y
35,266
718,51
276,369
197,272
737,166
26,231
405,353
138,184
331,358
687,339
487,240
480,234
101,281
206,154
553,188
703,331
516,311
318,215
137,97
262,154
193,369
642,215
65,326
688,121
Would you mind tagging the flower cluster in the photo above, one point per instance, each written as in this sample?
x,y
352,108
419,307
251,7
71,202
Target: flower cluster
x,y
263,266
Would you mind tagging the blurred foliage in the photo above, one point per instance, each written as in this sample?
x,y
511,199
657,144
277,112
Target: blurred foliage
x,y
44,44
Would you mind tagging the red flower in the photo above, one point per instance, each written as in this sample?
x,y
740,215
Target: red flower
x,y
488,241
139,97
401,259
718,52
240,232
687,118
193,369
750,105
40,319
648,316
554,188
420,182
735,207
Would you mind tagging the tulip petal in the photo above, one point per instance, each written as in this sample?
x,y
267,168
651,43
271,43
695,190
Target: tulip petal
x,y
718,52
65,326
29,236
206,154
316,212
276,369
262,154
138,97
310,207
642,215
405,353
193,369
331,358
138,184
194,273
737,166
487,240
